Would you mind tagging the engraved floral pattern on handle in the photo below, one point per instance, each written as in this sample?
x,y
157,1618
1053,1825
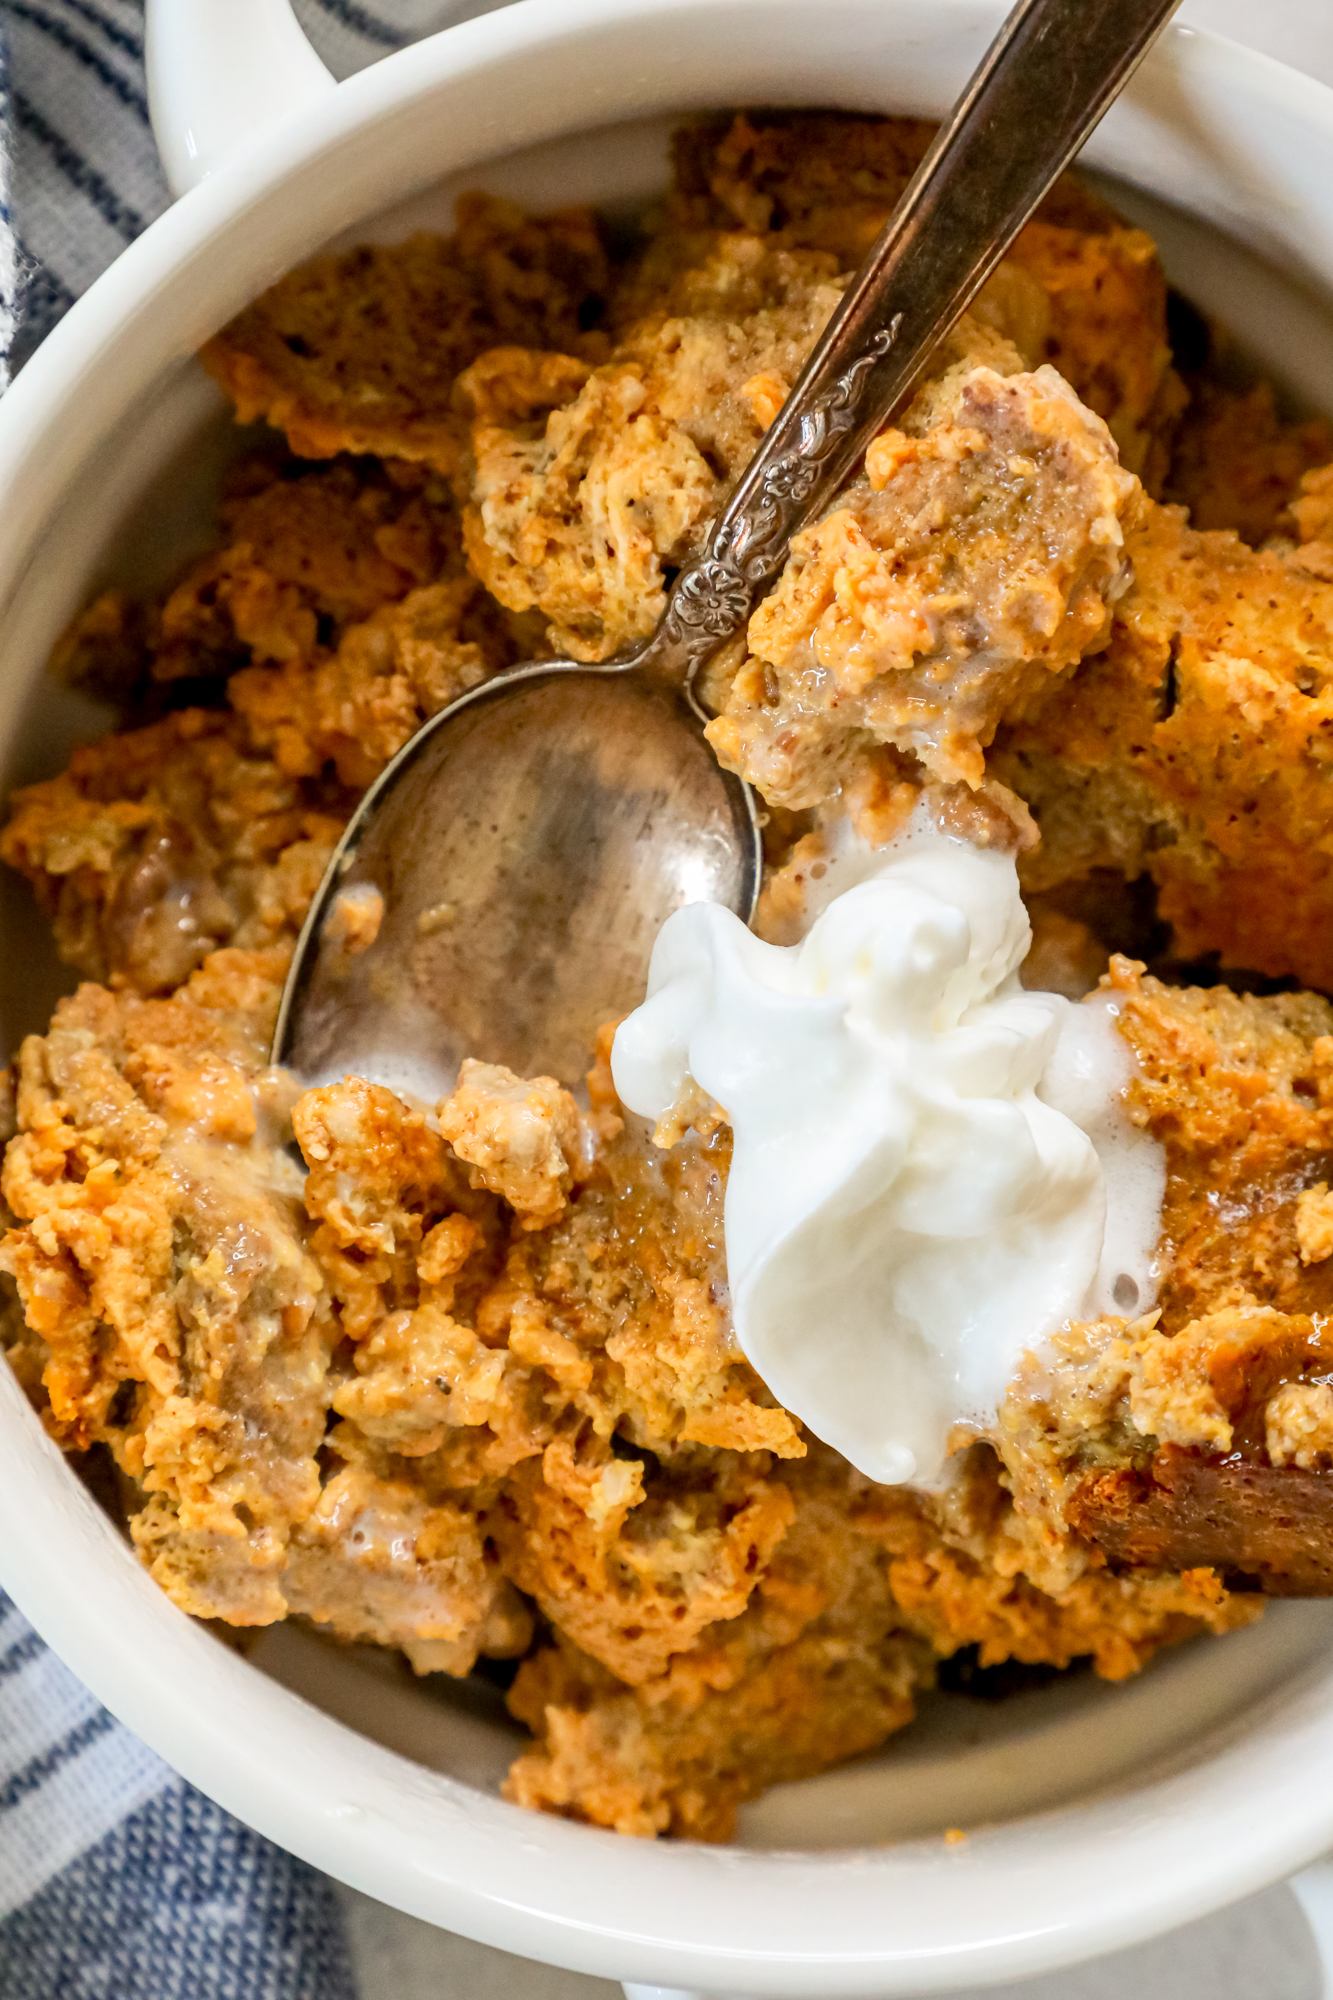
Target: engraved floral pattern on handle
x,y
714,595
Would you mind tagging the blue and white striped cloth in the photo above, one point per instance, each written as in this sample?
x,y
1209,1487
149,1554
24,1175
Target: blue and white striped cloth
x,y
118,1881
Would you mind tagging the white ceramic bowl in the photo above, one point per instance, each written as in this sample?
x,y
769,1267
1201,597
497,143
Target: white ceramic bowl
x,y
1097,1816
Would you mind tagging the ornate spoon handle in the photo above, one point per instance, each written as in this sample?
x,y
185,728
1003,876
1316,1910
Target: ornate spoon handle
x,y
1042,87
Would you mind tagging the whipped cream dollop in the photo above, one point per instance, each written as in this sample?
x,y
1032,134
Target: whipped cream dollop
x,y
932,1169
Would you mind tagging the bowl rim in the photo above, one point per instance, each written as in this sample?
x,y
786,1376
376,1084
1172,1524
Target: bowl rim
x,y
1028,1897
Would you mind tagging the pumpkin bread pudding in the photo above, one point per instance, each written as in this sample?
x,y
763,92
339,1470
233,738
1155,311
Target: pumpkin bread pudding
x,y
460,1379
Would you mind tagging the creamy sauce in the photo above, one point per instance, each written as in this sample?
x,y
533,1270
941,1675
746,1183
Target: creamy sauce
x,y
932,1169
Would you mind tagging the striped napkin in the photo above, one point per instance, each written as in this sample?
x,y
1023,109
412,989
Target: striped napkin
x,y
118,1881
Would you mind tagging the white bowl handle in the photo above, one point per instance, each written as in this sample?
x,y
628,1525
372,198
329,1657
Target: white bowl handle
x,y
1314,1892
219,73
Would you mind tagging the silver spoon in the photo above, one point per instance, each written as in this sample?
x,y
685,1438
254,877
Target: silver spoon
x,y
523,850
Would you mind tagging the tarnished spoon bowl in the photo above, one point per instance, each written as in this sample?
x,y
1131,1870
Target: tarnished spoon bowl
x,y
527,844
524,849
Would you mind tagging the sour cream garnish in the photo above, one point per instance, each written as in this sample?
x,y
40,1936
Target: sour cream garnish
x,y
932,1172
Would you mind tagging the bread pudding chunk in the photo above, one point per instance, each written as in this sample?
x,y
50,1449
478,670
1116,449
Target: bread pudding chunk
x,y
359,351
523,1140
1219,1396
1193,751
974,561
590,484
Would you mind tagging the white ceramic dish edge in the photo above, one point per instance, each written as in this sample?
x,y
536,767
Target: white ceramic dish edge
x,y
407,1836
